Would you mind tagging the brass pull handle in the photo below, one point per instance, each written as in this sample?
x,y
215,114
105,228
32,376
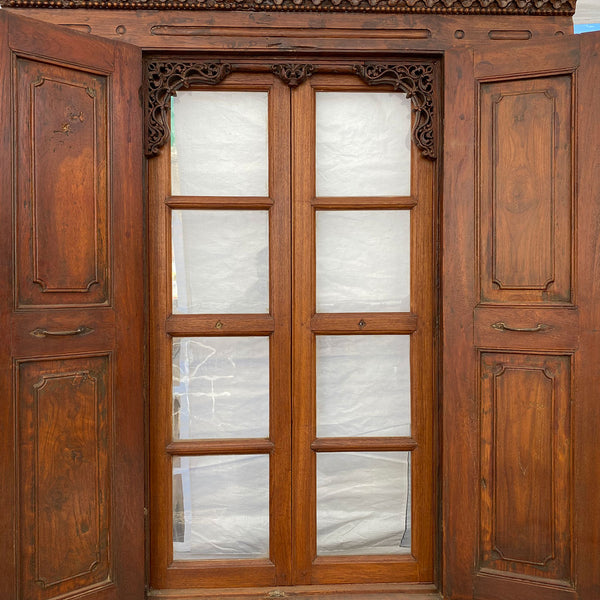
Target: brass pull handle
x,y
504,327
42,332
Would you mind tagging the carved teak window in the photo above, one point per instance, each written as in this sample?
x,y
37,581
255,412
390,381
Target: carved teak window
x,y
291,309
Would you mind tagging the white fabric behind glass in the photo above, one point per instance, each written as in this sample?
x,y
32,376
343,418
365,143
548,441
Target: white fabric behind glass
x,y
220,261
363,503
363,260
363,144
363,385
221,507
221,387
219,144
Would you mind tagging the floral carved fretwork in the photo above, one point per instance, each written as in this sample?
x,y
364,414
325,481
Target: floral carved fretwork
x,y
164,78
417,81
293,74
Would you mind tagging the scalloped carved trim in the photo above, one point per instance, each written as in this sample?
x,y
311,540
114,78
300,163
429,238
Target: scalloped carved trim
x,y
416,81
456,7
164,78
293,74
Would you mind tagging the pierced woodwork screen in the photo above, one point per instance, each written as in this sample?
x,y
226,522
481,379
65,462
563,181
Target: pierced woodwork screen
x,y
293,313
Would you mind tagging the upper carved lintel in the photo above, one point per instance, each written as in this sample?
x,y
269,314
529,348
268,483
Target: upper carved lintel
x,y
436,7
164,78
417,82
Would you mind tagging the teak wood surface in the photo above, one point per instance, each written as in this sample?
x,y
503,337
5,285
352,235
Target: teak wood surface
x,y
518,415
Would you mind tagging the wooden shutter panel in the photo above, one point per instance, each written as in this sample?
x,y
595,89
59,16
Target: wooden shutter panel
x,y
71,315
521,322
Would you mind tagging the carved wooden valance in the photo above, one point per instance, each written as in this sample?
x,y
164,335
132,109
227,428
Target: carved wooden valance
x,y
165,78
452,7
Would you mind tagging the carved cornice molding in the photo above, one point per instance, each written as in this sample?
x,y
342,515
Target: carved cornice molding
x,y
452,7
292,74
416,80
164,78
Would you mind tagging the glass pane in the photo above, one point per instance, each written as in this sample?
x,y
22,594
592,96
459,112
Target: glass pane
x,y
220,261
221,387
363,260
219,144
363,503
220,507
363,385
363,144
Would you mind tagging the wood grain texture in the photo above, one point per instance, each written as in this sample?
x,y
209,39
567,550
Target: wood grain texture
x,y
65,457
526,495
78,398
280,34
526,190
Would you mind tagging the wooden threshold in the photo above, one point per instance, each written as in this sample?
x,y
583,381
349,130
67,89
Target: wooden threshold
x,y
340,592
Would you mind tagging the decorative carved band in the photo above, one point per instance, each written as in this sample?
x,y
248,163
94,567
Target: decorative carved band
x,y
164,79
292,74
456,7
416,81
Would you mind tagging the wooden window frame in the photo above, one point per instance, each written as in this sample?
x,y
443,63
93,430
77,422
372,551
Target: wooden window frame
x,y
292,342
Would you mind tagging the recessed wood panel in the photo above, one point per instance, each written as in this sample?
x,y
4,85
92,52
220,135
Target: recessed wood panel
x,y
525,190
64,427
525,465
62,203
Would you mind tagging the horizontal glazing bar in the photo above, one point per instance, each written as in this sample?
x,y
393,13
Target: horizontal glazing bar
x,y
220,446
341,323
365,203
225,202
238,324
350,444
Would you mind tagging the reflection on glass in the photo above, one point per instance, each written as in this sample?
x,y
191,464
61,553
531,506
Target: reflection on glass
x,y
221,507
220,261
363,260
221,387
363,503
363,144
219,144
363,385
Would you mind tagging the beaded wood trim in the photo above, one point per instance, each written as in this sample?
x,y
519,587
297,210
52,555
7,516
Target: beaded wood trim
x,y
453,7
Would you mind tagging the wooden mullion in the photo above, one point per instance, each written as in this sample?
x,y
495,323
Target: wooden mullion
x,y
280,344
207,447
160,410
364,444
219,325
218,202
352,323
366,203
304,430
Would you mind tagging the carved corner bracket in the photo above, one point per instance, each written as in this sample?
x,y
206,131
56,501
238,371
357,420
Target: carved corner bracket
x,y
164,78
293,74
417,81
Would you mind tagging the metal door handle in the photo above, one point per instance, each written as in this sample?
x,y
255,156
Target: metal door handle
x,y
42,332
504,327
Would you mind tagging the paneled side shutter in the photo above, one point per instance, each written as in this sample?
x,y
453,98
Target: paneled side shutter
x,y
521,321
71,316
